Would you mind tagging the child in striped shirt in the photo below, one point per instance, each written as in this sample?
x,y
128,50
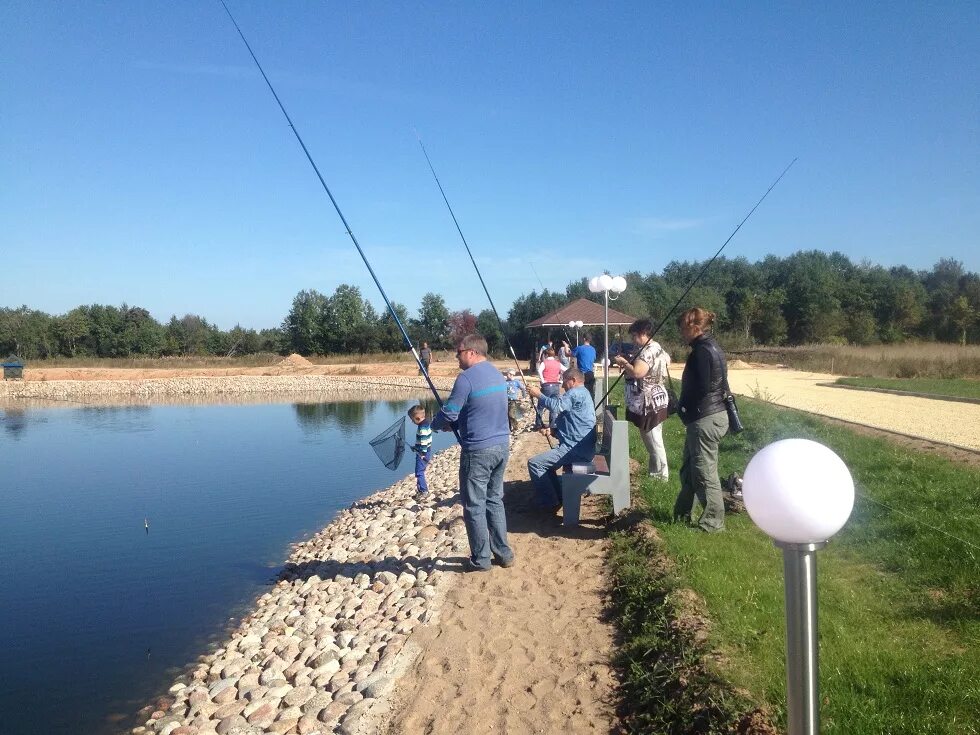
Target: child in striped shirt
x,y
423,445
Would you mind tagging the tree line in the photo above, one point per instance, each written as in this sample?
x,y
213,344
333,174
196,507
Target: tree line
x,y
807,297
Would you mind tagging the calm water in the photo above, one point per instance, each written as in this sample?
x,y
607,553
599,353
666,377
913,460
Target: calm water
x,y
96,613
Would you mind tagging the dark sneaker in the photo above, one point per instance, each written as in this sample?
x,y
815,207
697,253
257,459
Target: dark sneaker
x,y
469,566
506,563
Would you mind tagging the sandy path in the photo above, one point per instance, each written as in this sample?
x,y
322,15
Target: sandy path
x,y
942,421
520,650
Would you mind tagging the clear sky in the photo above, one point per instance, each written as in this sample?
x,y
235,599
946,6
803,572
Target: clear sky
x,y
144,161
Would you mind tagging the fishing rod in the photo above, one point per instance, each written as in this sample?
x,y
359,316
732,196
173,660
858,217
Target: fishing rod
x,y
500,323
697,278
391,310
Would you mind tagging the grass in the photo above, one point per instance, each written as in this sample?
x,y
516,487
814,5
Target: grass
x,y
909,360
951,388
665,684
899,600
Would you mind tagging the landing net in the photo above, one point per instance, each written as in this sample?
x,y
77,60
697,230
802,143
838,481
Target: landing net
x,y
389,445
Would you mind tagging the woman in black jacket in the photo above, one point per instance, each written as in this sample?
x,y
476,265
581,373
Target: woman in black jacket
x,y
702,409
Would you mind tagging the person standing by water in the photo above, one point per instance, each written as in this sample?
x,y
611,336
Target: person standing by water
x,y
477,408
647,369
565,355
422,446
584,356
425,356
702,409
549,372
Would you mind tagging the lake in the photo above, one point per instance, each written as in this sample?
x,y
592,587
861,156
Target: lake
x,y
97,612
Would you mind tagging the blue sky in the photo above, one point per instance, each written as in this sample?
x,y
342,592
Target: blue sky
x,y
144,161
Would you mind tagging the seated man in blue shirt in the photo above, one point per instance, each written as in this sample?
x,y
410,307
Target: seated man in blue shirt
x,y
575,430
584,356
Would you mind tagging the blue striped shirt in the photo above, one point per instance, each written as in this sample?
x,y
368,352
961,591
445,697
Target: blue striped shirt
x,y
477,407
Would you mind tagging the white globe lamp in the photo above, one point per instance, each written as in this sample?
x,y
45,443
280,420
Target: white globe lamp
x,y
800,493
618,284
594,284
605,282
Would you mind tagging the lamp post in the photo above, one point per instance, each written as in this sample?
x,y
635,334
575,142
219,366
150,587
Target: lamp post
x,y
800,493
604,284
576,325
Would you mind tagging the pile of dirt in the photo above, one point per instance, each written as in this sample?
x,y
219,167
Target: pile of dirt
x,y
738,365
296,361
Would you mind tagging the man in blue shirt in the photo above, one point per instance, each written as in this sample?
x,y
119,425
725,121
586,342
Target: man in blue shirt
x,y
477,408
575,429
585,361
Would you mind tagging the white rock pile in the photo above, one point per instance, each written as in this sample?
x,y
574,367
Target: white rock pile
x,y
322,649
83,390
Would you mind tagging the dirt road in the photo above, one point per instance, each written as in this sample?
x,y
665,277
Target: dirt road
x,y
929,419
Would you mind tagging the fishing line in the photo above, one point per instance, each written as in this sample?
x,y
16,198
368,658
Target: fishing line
x,y
699,275
323,183
500,323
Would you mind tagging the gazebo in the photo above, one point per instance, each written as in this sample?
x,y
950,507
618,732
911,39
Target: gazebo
x,y
582,310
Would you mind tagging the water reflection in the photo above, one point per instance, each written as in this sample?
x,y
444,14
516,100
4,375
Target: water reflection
x,y
124,419
349,417
14,422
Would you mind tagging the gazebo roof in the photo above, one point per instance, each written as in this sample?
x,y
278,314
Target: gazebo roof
x,y
583,310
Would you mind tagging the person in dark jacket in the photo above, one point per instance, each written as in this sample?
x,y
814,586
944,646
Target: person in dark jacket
x,y
702,409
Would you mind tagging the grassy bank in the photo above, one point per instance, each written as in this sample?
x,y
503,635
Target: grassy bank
x,y
951,388
899,598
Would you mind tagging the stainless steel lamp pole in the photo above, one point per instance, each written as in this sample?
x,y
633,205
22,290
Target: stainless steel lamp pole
x,y
604,284
800,493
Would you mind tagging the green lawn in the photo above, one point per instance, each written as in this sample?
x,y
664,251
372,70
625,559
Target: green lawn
x,y
899,601
954,388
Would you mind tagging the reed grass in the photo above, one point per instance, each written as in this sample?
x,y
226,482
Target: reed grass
x,y
910,360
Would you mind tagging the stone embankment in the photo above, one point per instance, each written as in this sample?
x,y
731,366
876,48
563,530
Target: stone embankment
x,y
321,650
198,387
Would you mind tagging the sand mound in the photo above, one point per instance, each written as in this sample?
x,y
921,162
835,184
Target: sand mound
x,y
738,365
295,360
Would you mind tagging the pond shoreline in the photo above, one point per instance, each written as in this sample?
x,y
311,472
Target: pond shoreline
x,y
325,645
153,390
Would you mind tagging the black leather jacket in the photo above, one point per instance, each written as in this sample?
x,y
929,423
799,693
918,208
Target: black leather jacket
x,y
703,385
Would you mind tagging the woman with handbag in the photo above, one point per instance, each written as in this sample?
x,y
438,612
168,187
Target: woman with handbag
x,y
703,411
646,396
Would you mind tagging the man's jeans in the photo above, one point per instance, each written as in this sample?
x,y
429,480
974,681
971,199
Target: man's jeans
x,y
699,472
543,469
590,384
481,486
551,390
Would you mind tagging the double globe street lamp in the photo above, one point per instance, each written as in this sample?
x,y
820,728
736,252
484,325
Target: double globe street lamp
x,y
606,284
576,325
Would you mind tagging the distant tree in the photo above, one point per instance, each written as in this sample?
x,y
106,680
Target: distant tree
x,y
433,321
486,324
71,329
142,334
343,320
27,333
770,327
389,336
461,323
303,326
962,316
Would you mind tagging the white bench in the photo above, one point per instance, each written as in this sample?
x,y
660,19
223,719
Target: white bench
x,y
614,481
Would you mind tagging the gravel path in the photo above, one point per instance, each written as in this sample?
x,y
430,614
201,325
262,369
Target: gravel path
x,y
939,421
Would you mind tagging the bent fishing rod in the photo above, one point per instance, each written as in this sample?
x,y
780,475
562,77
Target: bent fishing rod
x,y
323,183
500,323
701,273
